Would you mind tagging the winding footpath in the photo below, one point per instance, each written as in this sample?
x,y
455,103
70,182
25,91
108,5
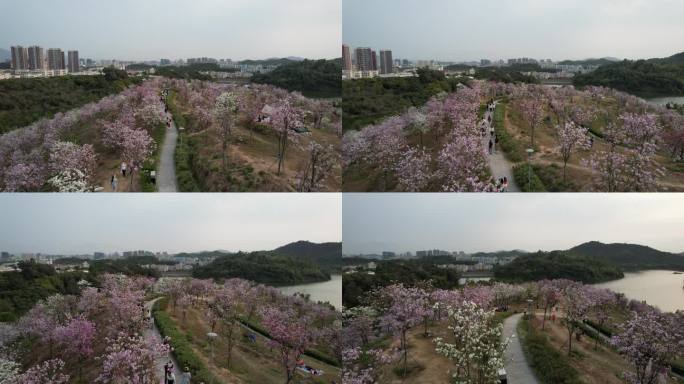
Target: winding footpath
x,y
152,333
166,174
498,163
517,369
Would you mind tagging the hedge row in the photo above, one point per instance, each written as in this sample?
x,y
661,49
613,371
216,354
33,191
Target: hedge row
x,y
549,365
182,350
520,174
511,147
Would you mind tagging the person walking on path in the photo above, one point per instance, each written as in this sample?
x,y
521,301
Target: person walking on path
x,y
170,377
490,146
115,183
123,168
186,376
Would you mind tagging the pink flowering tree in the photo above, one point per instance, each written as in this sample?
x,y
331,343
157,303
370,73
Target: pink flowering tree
x,y
285,118
406,310
413,170
571,137
322,160
649,341
577,303
77,338
549,295
130,359
291,334
532,109
47,372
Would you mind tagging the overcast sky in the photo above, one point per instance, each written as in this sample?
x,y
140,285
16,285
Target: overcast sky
x,y
373,223
154,29
84,223
471,30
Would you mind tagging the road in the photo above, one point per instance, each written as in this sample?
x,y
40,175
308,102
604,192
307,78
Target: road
x,y
517,369
153,334
166,175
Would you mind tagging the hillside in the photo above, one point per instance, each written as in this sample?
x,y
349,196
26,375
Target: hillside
x,y
262,267
629,256
654,77
557,265
323,254
313,78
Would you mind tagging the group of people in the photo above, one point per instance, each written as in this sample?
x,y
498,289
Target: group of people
x,y
170,376
488,123
501,184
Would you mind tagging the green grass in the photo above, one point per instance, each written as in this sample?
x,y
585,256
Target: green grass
x,y
548,364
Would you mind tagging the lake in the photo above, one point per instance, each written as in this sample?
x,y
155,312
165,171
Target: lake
x,y
330,291
662,289
664,100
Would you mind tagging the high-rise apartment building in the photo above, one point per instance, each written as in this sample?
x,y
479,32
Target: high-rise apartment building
x,y
55,59
346,58
74,64
363,59
36,58
374,61
19,58
386,62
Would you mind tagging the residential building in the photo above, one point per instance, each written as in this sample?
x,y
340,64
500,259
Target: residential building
x,y
374,61
55,58
19,58
346,58
74,64
386,62
36,58
363,59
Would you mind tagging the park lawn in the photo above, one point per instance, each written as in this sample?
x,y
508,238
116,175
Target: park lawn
x,y
579,176
252,158
252,363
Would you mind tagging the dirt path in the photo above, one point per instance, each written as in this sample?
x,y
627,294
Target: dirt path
x,y
166,174
152,333
517,369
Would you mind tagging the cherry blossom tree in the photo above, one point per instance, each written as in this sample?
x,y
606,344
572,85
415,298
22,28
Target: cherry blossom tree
x,y
284,120
322,160
550,295
77,337
649,341
130,359
532,109
225,110
47,372
291,334
413,170
577,304
571,137
477,350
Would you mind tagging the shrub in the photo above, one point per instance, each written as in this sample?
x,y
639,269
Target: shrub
x,y
549,365
520,174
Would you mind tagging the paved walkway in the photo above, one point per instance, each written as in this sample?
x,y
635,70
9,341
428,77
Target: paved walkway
x,y
166,174
517,369
499,165
153,334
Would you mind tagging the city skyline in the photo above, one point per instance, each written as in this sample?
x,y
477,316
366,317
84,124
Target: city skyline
x,y
82,224
456,31
488,223
156,29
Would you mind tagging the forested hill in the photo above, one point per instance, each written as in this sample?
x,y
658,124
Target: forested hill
x,y
557,265
629,256
263,267
322,254
313,78
654,77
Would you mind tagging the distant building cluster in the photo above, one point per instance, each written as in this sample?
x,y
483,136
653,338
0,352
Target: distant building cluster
x,y
34,61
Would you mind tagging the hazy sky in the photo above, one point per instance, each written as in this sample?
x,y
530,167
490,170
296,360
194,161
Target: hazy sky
x,y
154,29
84,223
373,223
472,30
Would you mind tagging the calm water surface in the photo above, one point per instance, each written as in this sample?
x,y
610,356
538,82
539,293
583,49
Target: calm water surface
x,y
665,100
330,291
662,289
